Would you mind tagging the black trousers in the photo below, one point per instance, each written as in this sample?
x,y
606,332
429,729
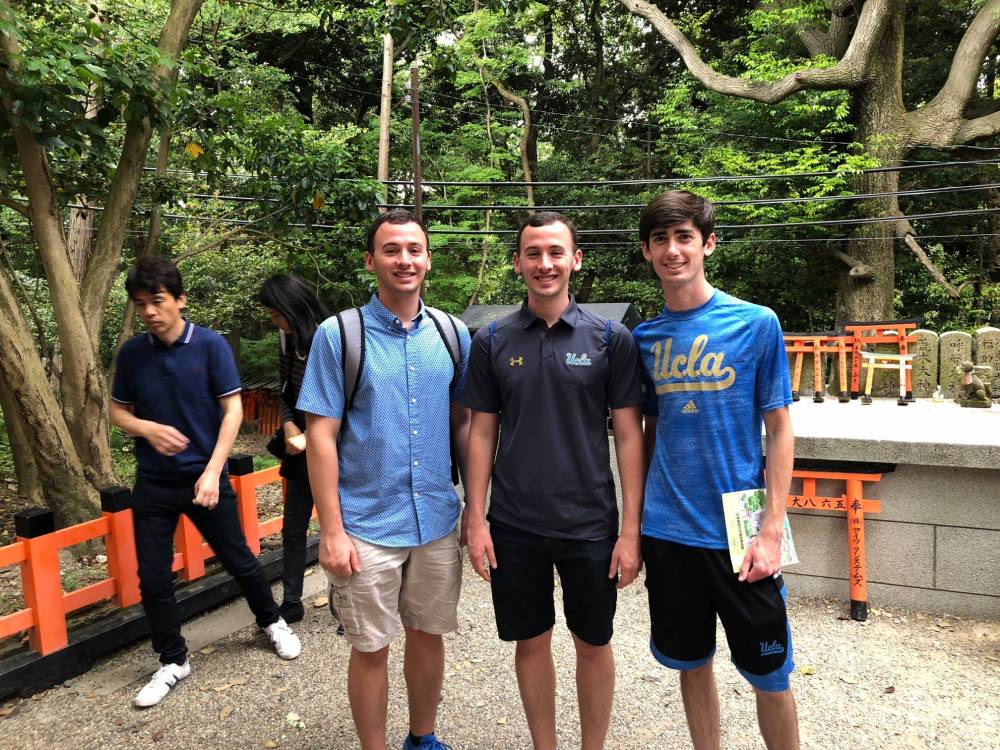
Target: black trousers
x,y
298,511
156,508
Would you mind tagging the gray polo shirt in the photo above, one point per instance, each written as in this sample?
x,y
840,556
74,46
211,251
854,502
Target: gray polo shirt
x,y
552,388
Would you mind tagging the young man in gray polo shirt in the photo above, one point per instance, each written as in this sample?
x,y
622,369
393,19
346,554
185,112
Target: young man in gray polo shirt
x,y
381,477
547,375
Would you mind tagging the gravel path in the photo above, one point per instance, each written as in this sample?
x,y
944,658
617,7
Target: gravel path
x,y
903,680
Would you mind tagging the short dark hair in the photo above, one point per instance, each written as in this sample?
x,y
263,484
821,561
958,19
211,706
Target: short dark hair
x,y
154,274
395,216
673,207
297,303
543,219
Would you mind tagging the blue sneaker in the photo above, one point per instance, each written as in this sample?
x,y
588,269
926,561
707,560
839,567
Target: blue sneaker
x,y
427,742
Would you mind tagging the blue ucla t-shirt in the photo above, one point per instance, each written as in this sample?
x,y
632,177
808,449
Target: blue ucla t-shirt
x,y
711,373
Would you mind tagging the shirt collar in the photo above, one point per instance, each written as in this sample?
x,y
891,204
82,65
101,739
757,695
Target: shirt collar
x,y
569,316
388,318
184,338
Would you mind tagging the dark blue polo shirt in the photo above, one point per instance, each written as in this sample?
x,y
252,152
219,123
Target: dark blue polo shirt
x,y
552,388
178,385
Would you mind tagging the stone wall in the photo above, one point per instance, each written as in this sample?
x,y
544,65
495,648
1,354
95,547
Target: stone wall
x,y
934,547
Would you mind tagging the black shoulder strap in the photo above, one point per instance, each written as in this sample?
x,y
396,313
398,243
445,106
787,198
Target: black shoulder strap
x,y
352,351
448,330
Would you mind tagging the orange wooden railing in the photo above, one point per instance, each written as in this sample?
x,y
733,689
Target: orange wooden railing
x,y
37,547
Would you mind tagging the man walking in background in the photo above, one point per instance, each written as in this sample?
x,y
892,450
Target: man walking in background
x,y
177,392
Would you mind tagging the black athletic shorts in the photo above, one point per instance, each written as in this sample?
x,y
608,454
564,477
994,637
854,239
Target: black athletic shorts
x,y
523,585
689,586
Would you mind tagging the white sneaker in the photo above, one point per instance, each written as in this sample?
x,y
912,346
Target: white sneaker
x,y
160,683
285,642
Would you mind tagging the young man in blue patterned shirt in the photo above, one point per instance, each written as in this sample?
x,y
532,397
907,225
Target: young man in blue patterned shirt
x,y
381,478
716,373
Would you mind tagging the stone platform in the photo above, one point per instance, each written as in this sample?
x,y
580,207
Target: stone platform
x,y
936,544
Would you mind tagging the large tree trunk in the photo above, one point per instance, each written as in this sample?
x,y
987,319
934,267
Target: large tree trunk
x,y
878,105
71,436
61,473
29,482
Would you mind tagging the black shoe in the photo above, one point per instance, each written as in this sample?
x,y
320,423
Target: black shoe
x,y
292,611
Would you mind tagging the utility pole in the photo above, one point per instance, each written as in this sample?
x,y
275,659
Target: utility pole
x,y
415,109
384,115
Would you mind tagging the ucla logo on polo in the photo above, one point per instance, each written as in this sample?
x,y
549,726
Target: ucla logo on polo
x,y
769,649
517,361
574,361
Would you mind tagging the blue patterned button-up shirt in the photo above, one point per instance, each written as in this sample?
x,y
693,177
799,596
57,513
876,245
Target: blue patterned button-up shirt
x,y
394,449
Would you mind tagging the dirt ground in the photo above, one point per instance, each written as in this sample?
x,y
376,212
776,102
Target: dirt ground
x,y
903,681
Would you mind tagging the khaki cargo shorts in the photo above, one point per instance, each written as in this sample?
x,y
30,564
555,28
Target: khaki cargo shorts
x,y
415,587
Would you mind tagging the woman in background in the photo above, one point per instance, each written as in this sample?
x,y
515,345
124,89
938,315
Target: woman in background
x,y
296,313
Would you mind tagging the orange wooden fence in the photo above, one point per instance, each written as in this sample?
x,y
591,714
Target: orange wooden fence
x,y
38,544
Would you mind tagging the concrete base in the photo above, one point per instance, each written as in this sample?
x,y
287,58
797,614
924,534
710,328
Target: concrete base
x,y
936,544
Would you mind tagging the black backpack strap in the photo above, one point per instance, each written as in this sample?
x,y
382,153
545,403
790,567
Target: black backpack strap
x,y
352,351
448,330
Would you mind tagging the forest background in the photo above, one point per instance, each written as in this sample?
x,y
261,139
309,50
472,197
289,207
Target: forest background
x,y
242,138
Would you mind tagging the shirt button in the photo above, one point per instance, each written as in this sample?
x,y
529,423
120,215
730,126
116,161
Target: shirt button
x,y
412,368
413,401
416,494
414,432
416,463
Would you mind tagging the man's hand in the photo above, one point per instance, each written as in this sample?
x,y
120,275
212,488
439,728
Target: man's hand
x,y
166,440
338,555
206,489
763,556
626,556
481,548
295,442
463,528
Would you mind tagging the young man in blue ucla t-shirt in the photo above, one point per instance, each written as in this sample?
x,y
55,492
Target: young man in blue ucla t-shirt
x,y
177,391
715,371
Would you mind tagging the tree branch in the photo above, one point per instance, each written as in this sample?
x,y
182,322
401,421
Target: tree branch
x,y
978,128
15,205
859,270
848,73
904,230
967,62
103,264
834,40
521,102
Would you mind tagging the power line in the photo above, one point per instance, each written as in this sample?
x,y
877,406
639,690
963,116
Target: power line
x,y
697,180
750,202
776,225
618,183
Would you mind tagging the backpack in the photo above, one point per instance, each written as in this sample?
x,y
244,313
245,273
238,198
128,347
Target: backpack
x,y
352,349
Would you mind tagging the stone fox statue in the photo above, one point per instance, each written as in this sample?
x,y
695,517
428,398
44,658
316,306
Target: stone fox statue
x,y
971,387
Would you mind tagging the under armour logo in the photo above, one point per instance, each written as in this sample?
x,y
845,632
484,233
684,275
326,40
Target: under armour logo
x,y
517,361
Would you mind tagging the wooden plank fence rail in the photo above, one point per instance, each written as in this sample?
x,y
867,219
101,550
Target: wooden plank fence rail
x,y
38,543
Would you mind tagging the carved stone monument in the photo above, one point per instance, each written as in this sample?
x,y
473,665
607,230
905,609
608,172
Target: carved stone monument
x,y
925,363
986,345
955,348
